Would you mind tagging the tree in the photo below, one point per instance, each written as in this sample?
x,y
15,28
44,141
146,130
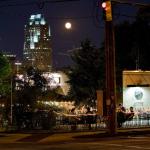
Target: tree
x,y
5,68
5,71
141,32
125,58
30,88
27,90
132,44
86,75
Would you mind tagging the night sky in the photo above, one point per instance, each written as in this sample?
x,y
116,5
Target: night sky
x,y
80,13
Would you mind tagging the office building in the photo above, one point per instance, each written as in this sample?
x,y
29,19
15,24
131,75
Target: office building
x,y
37,44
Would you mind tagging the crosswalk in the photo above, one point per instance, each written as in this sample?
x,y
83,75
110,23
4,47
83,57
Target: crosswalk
x,y
28,138
11,138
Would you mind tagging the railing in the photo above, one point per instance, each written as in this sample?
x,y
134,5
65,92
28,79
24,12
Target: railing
x,y
67,122
97,122
139,120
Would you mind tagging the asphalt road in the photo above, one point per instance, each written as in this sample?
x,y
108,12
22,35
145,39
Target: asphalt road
x,y
114,143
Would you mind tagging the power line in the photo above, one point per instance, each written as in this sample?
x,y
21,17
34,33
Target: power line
x,y
18,4
39,3
6,0
125,15
131,3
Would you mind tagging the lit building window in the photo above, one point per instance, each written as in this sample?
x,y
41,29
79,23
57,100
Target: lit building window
x,y
38,32
36,22
30,23
32,17
35,39
38,16
32,45
43,21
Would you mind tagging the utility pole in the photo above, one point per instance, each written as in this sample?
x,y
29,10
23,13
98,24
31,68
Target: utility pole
x,y
110,87
110,67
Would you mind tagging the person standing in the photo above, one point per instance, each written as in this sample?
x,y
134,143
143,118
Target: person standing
x,y
89,118
121,115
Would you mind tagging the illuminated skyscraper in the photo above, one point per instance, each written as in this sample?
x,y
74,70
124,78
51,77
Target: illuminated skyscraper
x,y
37,44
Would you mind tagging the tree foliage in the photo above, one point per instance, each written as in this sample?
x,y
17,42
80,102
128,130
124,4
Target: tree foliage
x,y
132,44
5,68
5,71
86,75
30,88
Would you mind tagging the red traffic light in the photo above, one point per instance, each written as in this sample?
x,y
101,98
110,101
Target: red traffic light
x,y
107,10
104,5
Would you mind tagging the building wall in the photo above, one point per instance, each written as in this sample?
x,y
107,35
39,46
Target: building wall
x,y
136,89
57,79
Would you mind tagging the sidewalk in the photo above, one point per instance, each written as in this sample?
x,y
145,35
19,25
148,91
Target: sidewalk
x,y
91,135
55,137
119,132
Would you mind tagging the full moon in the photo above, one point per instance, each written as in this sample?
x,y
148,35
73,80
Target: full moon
x,y
68,25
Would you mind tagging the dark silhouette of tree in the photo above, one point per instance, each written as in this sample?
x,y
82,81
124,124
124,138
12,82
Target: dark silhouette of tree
x,y
132,44
30,88
141,32
5,71
86,75
5,68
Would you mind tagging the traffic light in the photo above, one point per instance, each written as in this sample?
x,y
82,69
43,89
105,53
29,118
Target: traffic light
x,y
107,11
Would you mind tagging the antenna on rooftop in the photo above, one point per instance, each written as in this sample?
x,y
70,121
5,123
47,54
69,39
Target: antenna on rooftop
x,y
138,60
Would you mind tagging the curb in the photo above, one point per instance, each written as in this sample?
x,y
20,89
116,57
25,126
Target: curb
x,y
123,132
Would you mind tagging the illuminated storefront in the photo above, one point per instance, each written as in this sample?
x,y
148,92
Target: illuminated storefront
x,y
136,90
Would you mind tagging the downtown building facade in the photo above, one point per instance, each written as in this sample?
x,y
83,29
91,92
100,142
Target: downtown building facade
x,y
37,50
37,53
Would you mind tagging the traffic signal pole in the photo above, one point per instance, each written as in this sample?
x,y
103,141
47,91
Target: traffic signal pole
x,y
110,68
110,77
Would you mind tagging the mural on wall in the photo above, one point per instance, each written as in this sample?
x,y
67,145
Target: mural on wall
x,y
137,97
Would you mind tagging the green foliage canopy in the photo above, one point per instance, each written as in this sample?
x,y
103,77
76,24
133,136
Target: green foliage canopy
x,y
132,40
86,75
5,71
30,88
5,67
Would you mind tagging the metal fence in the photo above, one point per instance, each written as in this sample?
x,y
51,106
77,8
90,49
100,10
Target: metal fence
x,y
82,122
139,120
98,123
